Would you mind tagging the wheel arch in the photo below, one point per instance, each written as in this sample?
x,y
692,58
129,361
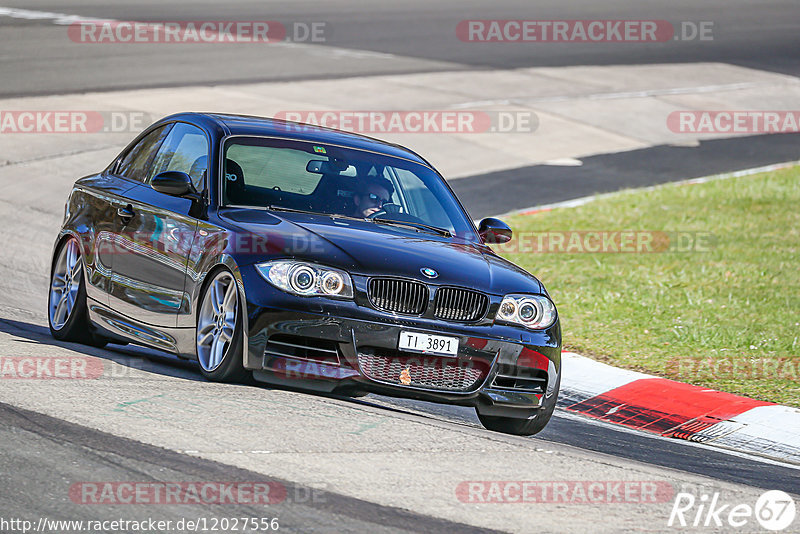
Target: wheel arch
x,y
225,262
62,238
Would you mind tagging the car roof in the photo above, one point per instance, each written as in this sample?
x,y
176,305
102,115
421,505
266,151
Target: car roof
x,y
263,126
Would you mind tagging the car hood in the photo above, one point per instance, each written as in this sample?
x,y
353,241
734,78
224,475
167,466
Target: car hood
x,y
367,248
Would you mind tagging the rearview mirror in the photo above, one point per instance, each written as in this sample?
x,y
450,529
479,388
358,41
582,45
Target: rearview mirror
x,y
494,231
334,166
173,183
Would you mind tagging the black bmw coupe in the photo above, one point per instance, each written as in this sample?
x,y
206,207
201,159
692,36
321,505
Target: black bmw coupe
x,y
304,257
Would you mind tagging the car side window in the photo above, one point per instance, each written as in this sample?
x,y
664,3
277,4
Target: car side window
x,y
186,150
134,164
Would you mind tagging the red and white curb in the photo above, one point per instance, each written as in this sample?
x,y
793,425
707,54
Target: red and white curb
x,y
677,410
674,409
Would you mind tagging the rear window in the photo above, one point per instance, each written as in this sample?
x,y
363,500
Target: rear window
x,y
275,168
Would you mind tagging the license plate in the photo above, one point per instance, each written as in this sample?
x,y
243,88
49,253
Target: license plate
x,y
428,344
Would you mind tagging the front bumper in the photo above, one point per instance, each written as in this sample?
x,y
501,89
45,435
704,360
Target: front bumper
x,y
344,346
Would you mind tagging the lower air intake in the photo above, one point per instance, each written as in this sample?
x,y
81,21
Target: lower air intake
x,y
430,372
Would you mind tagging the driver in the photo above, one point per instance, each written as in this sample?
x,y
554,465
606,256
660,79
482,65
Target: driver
x,y
373,193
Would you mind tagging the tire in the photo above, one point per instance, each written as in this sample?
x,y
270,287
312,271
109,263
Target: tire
x,y
352,393
219,330
67,313
523,427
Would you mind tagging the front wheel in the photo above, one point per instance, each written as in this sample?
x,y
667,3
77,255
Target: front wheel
x,y
520,426
219,330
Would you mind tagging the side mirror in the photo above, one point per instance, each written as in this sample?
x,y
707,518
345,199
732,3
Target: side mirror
x,y
494,231
173,183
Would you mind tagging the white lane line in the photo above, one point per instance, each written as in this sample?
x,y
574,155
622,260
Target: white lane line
x,y
64,19
664,92
6,163
61,19
723,450
699,89
574,203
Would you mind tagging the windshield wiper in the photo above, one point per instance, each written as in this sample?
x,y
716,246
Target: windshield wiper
x,y
322,213
418,226
379,220
294,210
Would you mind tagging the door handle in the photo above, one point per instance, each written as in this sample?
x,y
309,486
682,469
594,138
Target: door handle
x,y
126,213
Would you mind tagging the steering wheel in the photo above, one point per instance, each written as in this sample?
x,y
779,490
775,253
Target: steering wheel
x,y
386,209
379,213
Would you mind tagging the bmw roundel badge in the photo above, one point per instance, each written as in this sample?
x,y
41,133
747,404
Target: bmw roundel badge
x,y
430,273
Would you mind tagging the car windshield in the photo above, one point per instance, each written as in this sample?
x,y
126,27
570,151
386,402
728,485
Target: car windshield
x,y
292,175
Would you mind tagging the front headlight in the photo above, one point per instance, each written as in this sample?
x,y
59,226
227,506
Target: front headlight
x,y
307,279
531,311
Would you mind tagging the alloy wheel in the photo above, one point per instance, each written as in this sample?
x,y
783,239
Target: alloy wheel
x,y
65,284
216,321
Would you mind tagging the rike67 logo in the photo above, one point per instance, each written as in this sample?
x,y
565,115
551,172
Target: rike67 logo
x,y
774,510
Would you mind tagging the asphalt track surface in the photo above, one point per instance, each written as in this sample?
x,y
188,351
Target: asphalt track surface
x,y
407,36
539,185
40,452
49,452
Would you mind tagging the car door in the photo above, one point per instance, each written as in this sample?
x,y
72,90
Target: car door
x,y
108,198
149,277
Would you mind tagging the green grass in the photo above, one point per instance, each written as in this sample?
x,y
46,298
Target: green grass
x,y
726,318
